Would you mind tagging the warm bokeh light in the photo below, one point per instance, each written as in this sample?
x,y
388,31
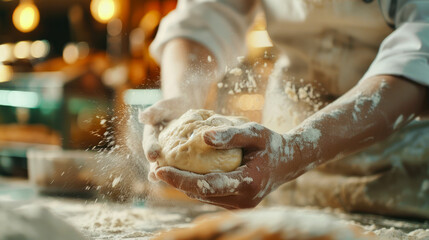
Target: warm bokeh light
x,y
250,102
259,39
6,52
22,49
114,27
104,10
83,49
70,53
39,49
137,37
150,20
5,73
26,17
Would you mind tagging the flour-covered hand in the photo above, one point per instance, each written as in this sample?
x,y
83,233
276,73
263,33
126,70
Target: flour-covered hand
x,y
269,159
155,118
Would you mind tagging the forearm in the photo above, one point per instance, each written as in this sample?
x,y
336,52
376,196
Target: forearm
x,y
368,113
188,69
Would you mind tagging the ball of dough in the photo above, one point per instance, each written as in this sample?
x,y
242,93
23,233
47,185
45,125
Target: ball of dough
x,y
183,145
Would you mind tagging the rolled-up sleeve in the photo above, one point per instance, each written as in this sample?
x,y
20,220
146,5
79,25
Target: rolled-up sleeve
x,y
220,25
405,52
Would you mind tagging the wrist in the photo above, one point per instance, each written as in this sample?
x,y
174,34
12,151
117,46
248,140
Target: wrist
x,y
300,155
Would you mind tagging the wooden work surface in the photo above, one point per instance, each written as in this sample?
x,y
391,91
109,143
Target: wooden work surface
x,y
140,219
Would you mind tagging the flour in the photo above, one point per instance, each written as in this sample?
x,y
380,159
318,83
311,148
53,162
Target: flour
x,y
310,166
116,181
33,222
236,72
398,121
249,180
225,182
270,223
298,223
311,135
204,186
240,59
370,102
263,192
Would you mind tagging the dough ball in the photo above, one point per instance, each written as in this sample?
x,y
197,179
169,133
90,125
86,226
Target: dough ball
x,y
183,145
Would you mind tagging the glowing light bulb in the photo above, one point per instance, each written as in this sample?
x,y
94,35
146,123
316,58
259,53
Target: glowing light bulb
x,y
104,10
26,17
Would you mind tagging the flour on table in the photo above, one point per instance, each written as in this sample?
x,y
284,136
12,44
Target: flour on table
x,y
272,223
33,222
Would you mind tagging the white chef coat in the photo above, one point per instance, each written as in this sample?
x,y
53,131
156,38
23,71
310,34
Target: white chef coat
x,y
330,40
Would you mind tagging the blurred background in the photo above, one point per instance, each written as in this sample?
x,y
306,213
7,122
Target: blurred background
x,y
75,73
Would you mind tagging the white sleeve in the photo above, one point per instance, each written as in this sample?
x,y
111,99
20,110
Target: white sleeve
x,y
405,52
220,25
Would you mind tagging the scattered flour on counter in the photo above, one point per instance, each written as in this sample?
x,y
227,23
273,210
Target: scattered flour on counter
x,y
32,222
114,221
392,233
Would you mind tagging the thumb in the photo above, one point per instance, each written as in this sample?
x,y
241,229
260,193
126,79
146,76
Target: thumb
x,y
244,136
163,111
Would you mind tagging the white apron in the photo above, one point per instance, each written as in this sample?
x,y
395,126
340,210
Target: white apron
x,y
330,44
327,43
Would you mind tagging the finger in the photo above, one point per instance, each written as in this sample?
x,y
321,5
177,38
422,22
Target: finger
x,y
207,185
152,169
244,136
162,111
151,147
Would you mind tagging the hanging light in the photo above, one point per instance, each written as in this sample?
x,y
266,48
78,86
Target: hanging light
x,y
26,16
104,10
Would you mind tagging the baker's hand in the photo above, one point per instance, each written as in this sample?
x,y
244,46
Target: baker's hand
x,y
269,160
155,118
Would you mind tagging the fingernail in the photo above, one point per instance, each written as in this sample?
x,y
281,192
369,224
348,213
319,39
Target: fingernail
x,y
210,137
153,155
152,177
